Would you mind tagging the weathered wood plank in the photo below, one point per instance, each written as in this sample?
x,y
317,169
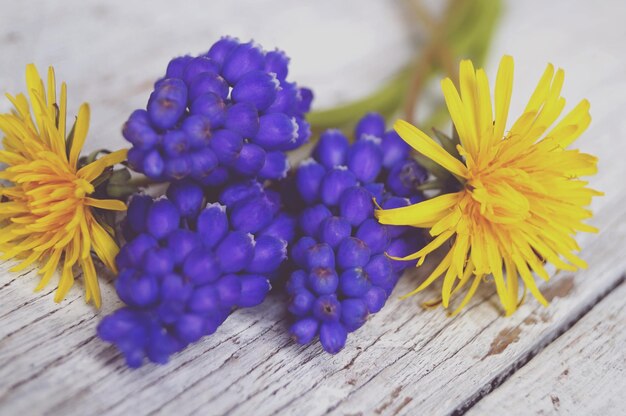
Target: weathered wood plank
x,y
405,360
582,372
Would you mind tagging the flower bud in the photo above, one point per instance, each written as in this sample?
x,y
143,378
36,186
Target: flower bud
x,y
323,281
365,159
304,330
275,167
211,106
402,247
221,49
333,230
372,124
250,160
305,100
158,261
334,183
375,299
189,328
321,256
226,145
286,100
198,130
235,251
140,291
206,82
299,251
187,196
379,270
175,143
201,267
131,254
135,158
163,218
229,290
374,234
162,344
301,302
269,253
167,103
137,212
176,67
276,130
180,243
177,167
404,179
254,289
251,215
217,177
257,88
353,314
327,308
277,62
395,150
239,191
198,66
203,162
283,227
243,119
204,300
312,217
304,132
153,164
354,282
352,252
332,337
332,149
212,224
309,178
355,205
244,58
139,131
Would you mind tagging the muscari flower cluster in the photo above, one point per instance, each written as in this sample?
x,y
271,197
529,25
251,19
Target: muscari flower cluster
x,y
189,264
342,272
216,127
229,113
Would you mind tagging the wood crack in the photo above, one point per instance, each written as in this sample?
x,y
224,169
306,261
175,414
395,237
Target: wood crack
x,y
524,359
178,368
409,350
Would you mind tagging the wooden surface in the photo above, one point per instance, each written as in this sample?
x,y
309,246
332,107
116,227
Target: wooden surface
x,y
568,358
592,350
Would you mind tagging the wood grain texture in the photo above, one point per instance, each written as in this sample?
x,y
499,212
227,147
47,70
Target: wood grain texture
x,y
581,372
405,360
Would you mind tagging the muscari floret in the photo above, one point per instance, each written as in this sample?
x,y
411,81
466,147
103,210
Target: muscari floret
x,y
188,264
341,272
228,113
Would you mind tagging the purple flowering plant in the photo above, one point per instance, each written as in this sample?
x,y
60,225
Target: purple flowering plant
x,y
235,221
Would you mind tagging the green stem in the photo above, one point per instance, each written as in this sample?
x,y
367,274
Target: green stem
x,y
469,31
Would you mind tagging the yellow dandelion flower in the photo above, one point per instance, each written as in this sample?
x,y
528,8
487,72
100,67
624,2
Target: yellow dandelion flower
x,y
520,202
46,211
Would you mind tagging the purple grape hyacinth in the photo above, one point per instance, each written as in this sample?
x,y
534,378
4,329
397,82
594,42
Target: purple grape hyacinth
x,y
188,264
341,272
227,114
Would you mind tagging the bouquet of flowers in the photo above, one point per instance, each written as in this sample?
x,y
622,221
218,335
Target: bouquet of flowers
x,y
238,218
